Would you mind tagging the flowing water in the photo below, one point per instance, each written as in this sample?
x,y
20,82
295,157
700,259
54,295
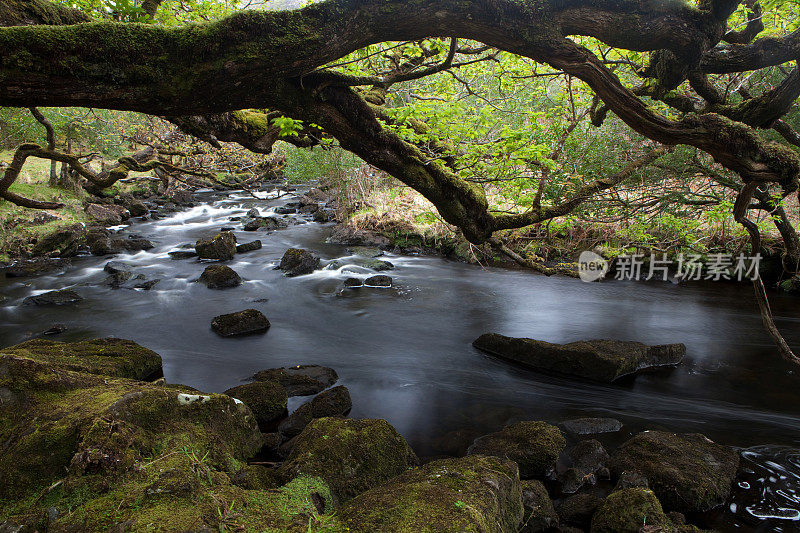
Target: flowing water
x,y
405,353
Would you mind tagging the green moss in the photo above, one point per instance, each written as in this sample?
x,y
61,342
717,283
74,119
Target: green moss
x,y
267,400
110,356
628,511
474,494
350,455
534,446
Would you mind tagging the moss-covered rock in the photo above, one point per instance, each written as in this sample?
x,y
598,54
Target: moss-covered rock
x,y
352,456
220,277
539,512
476,493
578,509
687,472
245,322
109,356
599,360
628,511
267,400
222,247
534,446
332,402
298,262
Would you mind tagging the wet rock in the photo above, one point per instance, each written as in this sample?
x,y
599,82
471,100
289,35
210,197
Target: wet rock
x,y
627,511
539,512
350,235
59,297
253,213
296,422
353,282
599,360
377,265
301,380
590,426
455,443
34,267
118,278
182,254
322,216
115,267
578,509
285,210
245,322
352,456
115,245
220,277
332,402
309,209
298,262
221,247
687,472
589,456
267,400
107,214
445,496
182,198
272,223
378,281
574,479
252,225
248,247
534,446
55,329
63,242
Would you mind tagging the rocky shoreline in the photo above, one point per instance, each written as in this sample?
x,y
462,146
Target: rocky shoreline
x,y
91,442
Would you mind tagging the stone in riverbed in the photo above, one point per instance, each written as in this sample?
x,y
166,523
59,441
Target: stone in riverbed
x,y
182,254
115,245
352,456
253,213
60,297
221,247
539,512
107,214
599,360
296,422
267,400
578,509
332,402
34,267
301,380
378,265
628,511
534,446
248,247
687,472
590,426
244,322
480,494
353,282
220,277
63,242
285,210
298,262
378,281
365,251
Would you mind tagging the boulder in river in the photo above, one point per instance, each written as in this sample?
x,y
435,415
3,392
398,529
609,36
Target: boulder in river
x,y
301,380
267,400
352,456
285,210
688,472
251,224
248,246
534,446
378,281
365,251
63,242
220,277
253,213
59,297
221,247
115,245
353,282
628,511
182,254
298,262
332,402
444,496
599,360
244,322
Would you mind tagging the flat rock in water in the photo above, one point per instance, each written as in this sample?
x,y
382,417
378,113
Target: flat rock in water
x,y
248,247
34,267
365,251
60,297
688,472
378,281
301,380
598,360
590,426
353,282
182,254
244,322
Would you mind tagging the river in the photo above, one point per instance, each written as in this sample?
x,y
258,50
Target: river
x,y
405,353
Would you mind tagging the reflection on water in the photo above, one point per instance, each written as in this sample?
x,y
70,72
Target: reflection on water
x,y
406,353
